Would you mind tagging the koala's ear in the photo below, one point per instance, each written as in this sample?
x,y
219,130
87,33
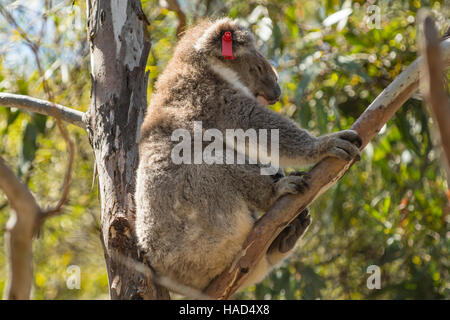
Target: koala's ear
x,y
225,38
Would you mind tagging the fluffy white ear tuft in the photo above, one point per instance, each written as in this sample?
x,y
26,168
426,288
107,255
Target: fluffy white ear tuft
x,y
210,33
210,42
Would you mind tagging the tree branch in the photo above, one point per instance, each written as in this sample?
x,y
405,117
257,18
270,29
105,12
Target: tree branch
x,y
432,85
173,5
323,176
67,176
43,107
19,236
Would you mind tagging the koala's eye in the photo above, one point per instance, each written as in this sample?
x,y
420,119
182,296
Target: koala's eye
x,y
256,69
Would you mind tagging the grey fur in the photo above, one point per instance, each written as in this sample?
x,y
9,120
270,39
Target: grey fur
x,y
192,220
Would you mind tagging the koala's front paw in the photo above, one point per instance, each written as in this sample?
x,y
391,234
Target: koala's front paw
x,y
343,145
294,183
287,239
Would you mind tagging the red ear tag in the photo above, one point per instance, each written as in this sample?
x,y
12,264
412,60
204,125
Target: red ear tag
x,y
227,46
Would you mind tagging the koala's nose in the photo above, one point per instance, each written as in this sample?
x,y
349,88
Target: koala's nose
x,y
276,93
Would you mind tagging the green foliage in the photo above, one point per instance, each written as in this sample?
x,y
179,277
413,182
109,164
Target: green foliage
x,y
390,209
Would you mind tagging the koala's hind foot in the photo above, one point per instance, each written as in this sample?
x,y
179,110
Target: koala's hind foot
x,y
297,182
287,239
280,248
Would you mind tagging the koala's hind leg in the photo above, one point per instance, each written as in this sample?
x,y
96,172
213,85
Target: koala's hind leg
x,y
286,240
283,244
280,248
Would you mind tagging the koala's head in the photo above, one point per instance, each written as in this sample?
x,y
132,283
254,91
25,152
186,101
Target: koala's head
x,y
248,65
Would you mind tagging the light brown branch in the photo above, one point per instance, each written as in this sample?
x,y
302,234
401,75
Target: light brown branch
x,y
323,176
432,85
173,5
43,107
20,231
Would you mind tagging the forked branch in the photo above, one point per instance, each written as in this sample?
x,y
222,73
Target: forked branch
x,y
19,234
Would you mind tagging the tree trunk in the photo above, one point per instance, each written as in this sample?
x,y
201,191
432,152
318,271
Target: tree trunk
x,y
119,45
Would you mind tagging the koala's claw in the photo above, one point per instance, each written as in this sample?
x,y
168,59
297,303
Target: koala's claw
x,y
305,220
287,239
294,183
346,145
299,173
351,136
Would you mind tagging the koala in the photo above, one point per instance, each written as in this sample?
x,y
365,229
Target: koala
x,y
192,219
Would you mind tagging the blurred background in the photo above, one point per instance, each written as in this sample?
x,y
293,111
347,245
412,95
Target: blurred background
x,y
333,57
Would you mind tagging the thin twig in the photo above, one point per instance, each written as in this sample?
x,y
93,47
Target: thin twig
x,y
66,185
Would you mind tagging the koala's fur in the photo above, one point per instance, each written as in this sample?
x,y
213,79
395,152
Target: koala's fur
x,y
192,220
